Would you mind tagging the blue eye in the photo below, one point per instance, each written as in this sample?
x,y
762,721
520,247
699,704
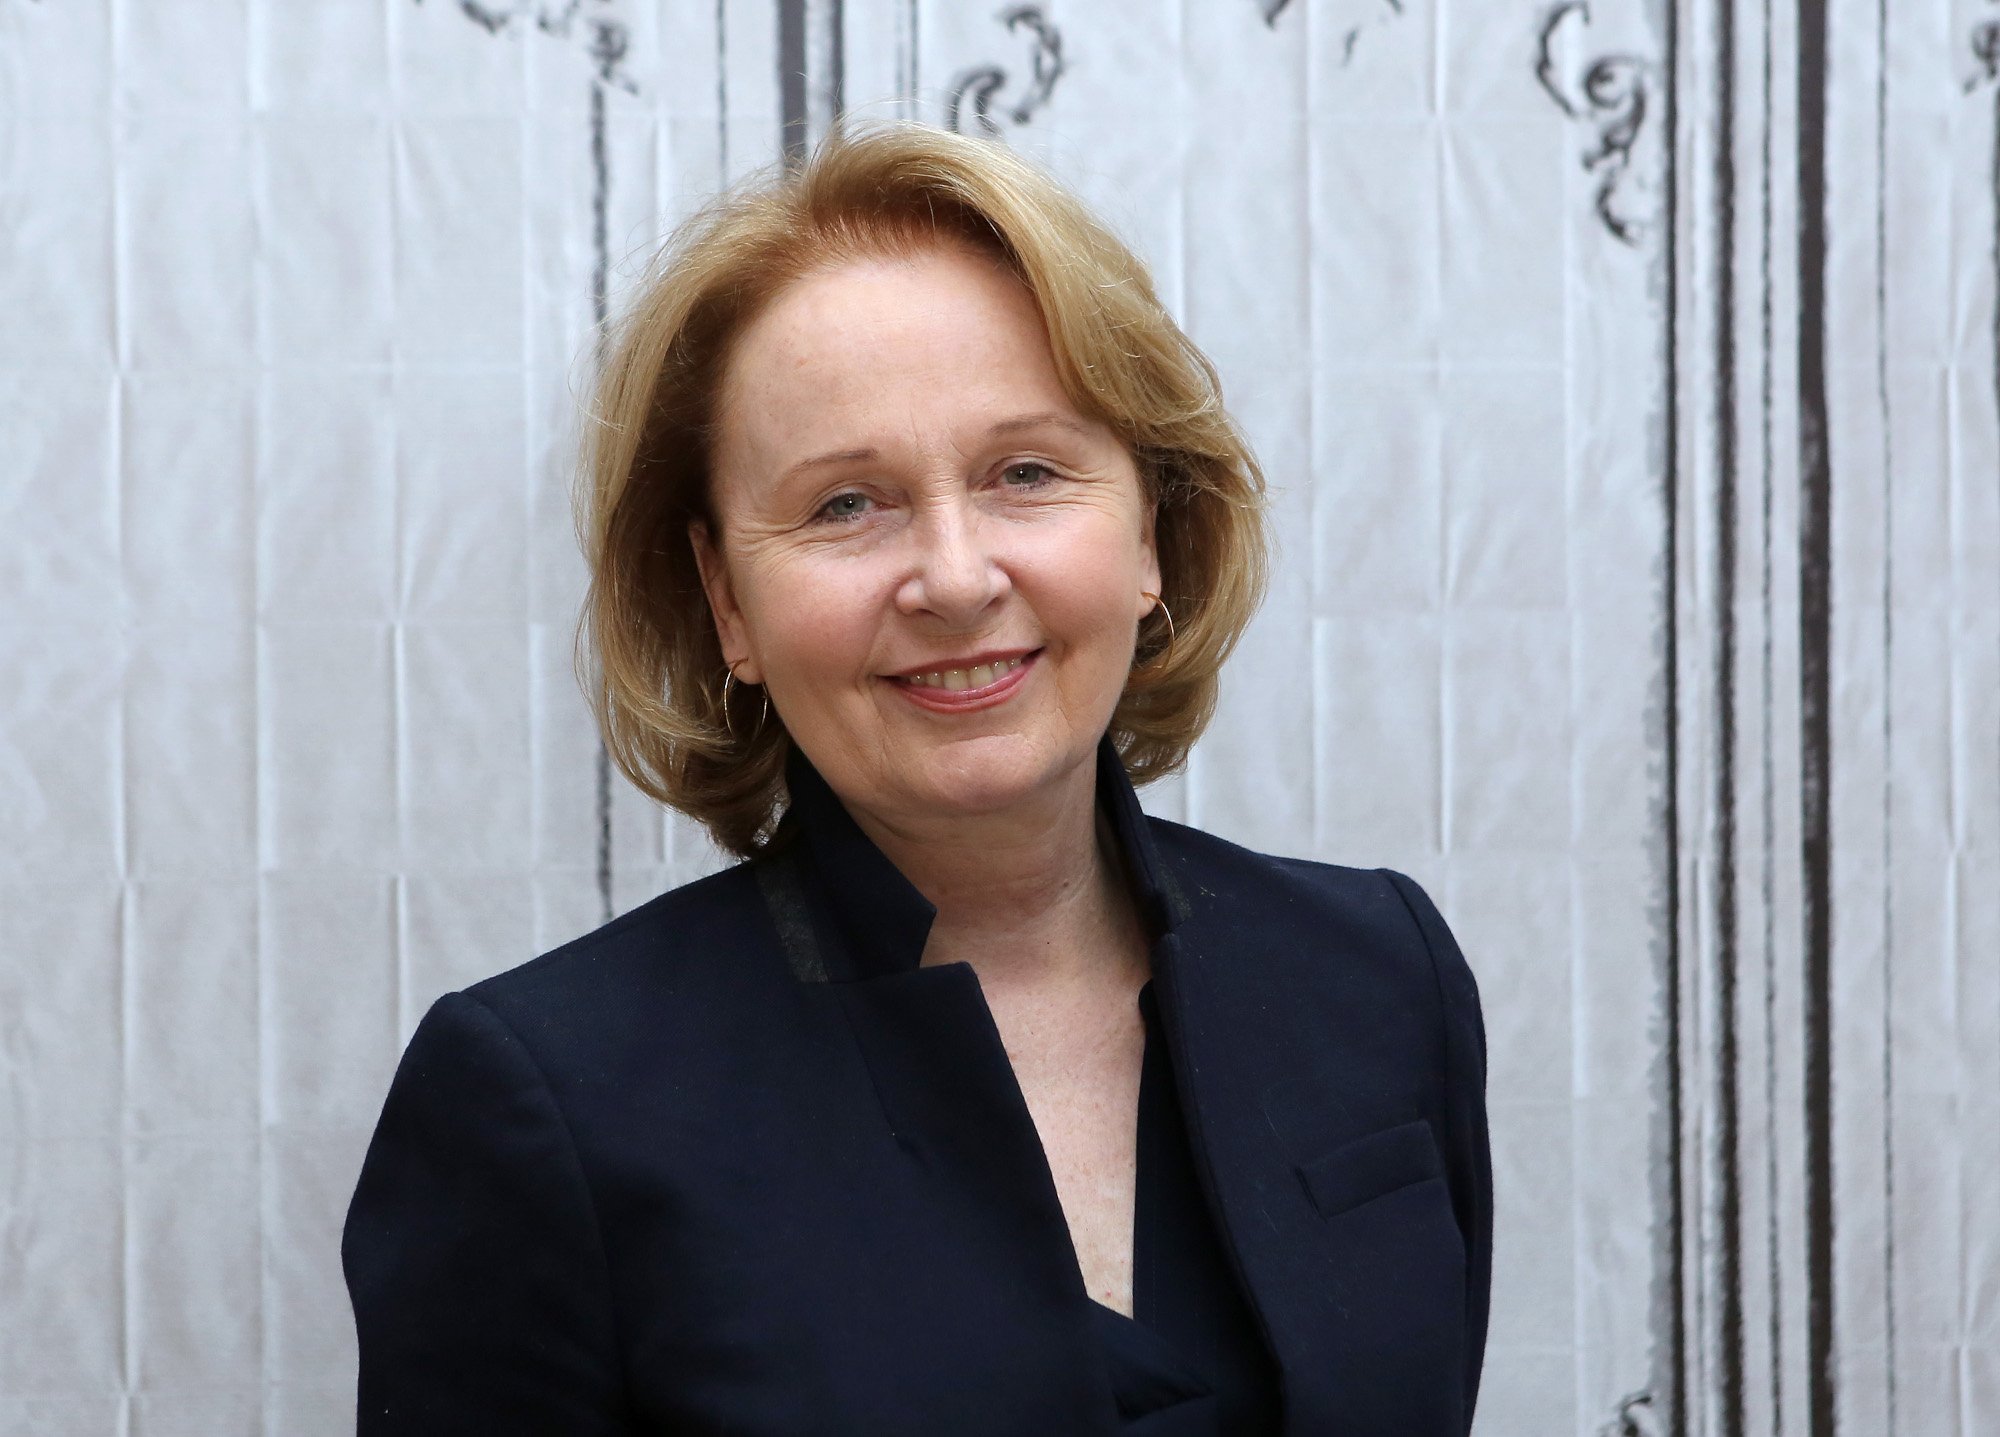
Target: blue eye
x,y
1040,474
850,505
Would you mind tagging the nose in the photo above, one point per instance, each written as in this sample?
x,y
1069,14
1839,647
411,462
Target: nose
x,y
953,574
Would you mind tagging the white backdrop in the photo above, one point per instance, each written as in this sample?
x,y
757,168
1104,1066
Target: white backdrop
x,y
1626,377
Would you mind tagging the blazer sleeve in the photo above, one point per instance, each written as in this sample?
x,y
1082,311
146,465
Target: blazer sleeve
x,y
1468,1154
472,1250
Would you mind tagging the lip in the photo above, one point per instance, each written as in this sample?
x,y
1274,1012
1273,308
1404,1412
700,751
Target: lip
x,y
958,701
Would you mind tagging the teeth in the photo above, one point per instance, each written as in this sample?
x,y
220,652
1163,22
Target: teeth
x,y
977,677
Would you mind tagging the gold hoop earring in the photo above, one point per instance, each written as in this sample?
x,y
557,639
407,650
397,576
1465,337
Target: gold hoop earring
x,y
1162,603
728,678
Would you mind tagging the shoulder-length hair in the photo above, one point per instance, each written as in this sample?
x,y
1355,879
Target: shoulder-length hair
x,y
648,653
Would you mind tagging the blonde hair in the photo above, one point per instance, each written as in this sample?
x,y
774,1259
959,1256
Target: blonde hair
x,y
656,683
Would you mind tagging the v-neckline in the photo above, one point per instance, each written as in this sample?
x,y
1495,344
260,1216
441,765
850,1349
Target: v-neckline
x,y
1148,1056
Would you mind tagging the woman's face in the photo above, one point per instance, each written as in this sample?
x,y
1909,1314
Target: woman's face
x,y
932,562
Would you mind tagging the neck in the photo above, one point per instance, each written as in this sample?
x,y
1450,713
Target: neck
x,y
1031,897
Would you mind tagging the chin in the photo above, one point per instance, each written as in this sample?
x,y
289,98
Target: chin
x,y
992,772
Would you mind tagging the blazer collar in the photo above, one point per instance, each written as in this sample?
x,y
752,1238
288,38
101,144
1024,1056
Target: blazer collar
x,y
880,918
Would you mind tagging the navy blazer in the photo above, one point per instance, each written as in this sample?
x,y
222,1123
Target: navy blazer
x,y
736,1163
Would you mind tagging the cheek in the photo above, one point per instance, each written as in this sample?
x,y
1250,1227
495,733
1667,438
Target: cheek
x,y
1085,587
811,618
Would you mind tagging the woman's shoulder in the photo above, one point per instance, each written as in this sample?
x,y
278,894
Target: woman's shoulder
x,y
681,953
1377,916
1210,869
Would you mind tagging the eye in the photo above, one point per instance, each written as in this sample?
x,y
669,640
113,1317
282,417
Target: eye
x,y
1036,475
849,505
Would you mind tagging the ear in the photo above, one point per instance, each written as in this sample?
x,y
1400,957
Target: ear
x,y
1149,563
731,630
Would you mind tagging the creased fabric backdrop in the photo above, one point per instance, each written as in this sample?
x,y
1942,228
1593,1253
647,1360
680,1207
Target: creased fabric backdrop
x,y
1626,376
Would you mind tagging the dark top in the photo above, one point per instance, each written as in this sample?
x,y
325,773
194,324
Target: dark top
x,y
739,1162
1192,1364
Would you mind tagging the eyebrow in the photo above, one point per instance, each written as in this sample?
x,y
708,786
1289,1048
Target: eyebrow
x,y
1018,424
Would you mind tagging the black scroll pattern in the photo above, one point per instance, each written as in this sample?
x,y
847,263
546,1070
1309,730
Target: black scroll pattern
x,y
1385,12
1613,96
606,38
1635,1417
1985,43
970,99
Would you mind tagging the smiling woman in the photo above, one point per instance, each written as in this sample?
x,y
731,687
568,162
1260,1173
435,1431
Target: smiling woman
x,y
975,1099
982,522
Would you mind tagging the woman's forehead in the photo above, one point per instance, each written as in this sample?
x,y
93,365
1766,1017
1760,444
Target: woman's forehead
x,y
877,314
882,352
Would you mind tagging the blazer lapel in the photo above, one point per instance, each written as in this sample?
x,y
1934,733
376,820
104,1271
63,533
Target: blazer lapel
x,y
1231,1035
1219,1037
1280,1043
967,1166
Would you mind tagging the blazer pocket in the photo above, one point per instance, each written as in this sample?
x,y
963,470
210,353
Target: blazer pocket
x,y
1371,1166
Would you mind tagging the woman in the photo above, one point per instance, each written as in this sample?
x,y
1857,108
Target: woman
x,y
974,1100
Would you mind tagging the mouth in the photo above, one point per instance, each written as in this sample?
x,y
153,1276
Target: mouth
x,y
975,681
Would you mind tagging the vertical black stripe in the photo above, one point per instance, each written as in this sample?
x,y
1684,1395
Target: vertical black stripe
x,y
1815,719
600,313
600,215
792,125
906,55
1729,1198
836,58
1773,1274
722,90
1993,183
1672,1176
